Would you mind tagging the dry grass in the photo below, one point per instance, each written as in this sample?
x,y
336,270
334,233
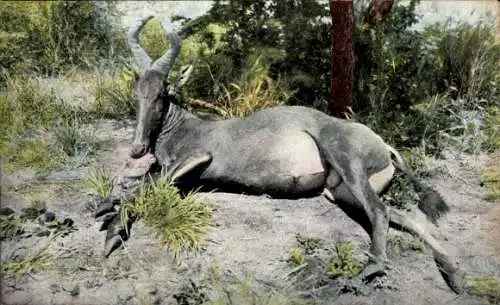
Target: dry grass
x,y
254,91
180,222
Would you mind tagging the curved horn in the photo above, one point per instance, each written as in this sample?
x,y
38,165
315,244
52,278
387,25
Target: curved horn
x,y
141,57
167,60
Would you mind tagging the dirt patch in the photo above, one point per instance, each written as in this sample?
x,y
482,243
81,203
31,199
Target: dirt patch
x,y
492,231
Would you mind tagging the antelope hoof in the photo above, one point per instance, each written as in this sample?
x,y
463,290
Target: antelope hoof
x,y
105,208
116,233
371,271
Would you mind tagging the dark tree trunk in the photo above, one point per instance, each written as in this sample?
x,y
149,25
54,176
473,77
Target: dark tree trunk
x,y
342,82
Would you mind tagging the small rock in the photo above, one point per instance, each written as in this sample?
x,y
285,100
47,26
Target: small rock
x,y
54,288
48,217
6,211
43,233
75,291
68,222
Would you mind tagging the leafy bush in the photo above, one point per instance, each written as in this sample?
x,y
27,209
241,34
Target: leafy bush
x,y
179,222
51,36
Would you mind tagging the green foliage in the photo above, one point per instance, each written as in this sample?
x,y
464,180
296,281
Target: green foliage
x,y
51,36
112,97
342,263
101,182
179,222
289,36
153,39
297,257
487,286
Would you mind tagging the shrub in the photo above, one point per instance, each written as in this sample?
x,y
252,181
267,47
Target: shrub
x,y
75,140
179,222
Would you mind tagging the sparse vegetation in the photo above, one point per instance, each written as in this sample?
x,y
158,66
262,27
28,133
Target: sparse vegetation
x,y
308,244
491,177
297,257
179,222
342,263
101,182
10,226
15,268
404,243
112,97
487,286
234,291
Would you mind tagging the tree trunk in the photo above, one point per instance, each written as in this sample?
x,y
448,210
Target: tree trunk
x,y
342,81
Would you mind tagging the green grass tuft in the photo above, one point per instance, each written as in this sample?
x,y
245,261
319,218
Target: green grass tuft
x,y
343,263
297,257
101,181
36,262
255,90
486,286
112,97
180,222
